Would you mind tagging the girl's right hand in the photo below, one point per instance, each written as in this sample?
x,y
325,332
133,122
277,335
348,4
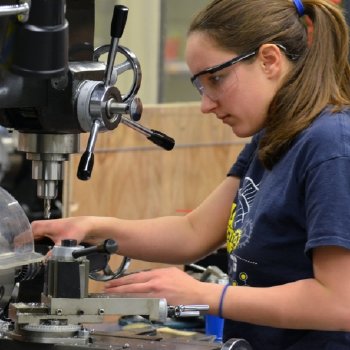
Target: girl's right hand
x,y
59,229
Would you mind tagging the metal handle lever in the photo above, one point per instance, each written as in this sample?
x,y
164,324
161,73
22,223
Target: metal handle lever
x,y
109,246
117,28
187,310
86,163
21,10
120,15
157,137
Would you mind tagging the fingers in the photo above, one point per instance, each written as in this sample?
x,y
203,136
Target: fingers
x,y
170,283
41,227
157,276
139,277
137,283
138,288
56,229
37,232
132,284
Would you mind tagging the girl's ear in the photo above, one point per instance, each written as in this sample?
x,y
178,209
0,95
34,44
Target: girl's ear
x,y
271,59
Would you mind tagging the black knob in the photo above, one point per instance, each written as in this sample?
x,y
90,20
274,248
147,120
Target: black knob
x,y
69,243
120,15
86,165
109,246
162,140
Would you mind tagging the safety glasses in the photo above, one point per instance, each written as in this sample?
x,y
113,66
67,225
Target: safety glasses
x,y
213,81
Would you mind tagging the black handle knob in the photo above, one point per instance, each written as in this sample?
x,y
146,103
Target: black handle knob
x,y
69,243
86,165
161,140
109,246
120,15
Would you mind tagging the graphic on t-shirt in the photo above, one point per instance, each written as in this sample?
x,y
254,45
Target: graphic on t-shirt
x,y
240,227
243,278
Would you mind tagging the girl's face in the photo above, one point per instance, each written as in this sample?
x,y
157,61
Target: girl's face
x,y
240,93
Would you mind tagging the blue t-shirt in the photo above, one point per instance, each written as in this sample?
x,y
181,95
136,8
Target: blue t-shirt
x,y
279,216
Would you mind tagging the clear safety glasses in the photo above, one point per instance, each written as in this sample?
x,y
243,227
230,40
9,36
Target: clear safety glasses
x,y
215,80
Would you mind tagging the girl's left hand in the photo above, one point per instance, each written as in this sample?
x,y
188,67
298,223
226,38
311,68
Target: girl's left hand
x,y
171,283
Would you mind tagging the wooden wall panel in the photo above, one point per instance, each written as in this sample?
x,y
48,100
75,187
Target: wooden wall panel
x,y
135,179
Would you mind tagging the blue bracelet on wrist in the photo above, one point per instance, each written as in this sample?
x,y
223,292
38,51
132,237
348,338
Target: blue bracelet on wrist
x,y
222,297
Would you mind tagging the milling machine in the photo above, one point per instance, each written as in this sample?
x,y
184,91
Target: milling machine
x,y
66,316
53,88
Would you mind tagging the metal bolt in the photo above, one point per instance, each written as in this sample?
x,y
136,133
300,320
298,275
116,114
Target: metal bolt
x,y
59,312
101,311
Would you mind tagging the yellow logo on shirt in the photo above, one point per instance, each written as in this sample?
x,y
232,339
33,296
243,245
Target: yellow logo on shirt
x,y
233,236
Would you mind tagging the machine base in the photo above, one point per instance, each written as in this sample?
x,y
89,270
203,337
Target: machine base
x,y
115,343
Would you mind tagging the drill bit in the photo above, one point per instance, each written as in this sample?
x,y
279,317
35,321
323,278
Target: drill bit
x,y
47,208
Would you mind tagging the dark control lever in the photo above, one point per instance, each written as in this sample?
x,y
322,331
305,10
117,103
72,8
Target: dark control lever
x,y
106,105
109,246
157,137
86,163
134,108
120,15
160,139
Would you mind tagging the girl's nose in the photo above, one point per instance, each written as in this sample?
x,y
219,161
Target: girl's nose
x,y
207,104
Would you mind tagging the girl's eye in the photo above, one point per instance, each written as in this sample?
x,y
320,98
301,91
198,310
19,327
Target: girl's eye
x,y
216,80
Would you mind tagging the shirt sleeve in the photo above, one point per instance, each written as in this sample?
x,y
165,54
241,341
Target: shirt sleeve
x,y
327,198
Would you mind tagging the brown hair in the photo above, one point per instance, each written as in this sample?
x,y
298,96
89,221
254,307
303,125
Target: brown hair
x,y
321,73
